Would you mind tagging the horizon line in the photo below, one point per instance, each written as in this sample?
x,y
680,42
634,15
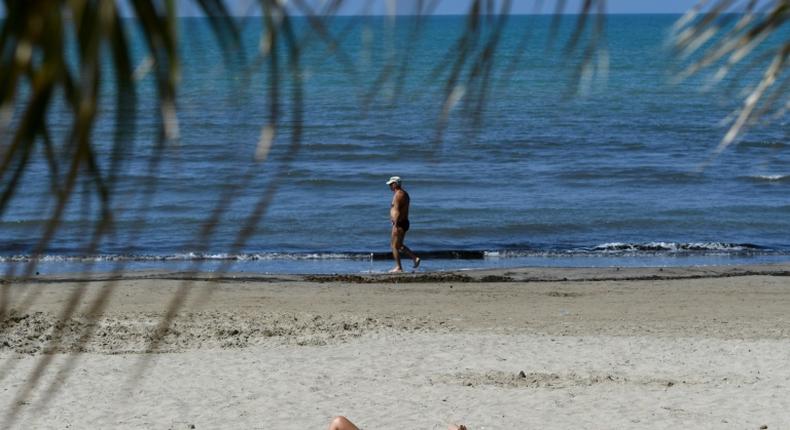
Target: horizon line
x,y
455,15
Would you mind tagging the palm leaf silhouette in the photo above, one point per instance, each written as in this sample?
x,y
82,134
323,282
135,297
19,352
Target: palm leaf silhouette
x,y
54,52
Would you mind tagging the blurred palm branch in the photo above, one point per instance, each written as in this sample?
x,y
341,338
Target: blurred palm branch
x,y
52,52
735,40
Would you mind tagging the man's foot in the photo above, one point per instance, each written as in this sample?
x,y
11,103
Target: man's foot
x,y
417,262
396,270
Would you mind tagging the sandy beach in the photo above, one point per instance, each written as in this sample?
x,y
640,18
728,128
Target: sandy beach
x,y
702,348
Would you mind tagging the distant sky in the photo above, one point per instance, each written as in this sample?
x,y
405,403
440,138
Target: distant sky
x,y
455,7
446,7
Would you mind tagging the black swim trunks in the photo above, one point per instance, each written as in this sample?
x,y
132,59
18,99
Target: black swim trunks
x,y
404,224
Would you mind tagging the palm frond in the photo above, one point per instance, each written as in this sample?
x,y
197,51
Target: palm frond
x,y
722,37
37,70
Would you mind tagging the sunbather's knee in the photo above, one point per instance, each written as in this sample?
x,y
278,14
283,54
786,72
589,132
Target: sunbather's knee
x,y
341,423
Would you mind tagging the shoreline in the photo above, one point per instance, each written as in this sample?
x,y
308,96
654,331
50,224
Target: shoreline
x,y
369,267
517,274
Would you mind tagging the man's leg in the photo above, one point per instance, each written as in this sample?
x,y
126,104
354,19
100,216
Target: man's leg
x,y
396,242
405,249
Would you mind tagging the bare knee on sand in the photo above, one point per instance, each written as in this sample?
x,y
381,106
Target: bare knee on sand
x,y
342,423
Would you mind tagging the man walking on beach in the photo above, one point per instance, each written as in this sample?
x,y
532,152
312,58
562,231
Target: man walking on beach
x,y
399,216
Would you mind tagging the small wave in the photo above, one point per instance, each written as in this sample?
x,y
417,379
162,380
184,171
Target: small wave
x,y
637,249
377,137
640,175
264,256
188,256
761,144
606,249
674,247
768,178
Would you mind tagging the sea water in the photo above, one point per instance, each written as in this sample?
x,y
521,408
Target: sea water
x,y
622,175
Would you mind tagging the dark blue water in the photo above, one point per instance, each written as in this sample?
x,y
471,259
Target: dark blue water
x,y
611,177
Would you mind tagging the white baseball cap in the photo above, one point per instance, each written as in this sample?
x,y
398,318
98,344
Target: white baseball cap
x,y
394,179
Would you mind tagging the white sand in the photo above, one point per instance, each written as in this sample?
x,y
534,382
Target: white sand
x,y
709,353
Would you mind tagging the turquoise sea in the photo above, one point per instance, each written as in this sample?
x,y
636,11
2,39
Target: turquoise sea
x,y
612,177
